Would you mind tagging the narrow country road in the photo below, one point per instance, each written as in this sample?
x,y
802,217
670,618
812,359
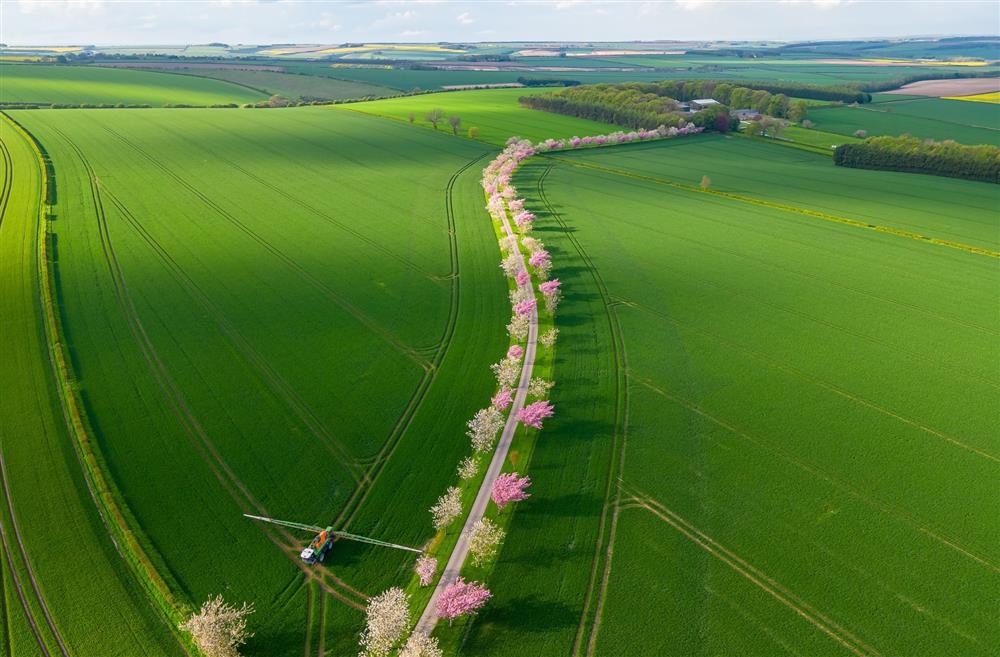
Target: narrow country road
x,y
454,566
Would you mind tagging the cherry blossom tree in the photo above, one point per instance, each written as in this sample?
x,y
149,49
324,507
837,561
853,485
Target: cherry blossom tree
x,y
483,428
421,645
502,399
460,598
524,220
516,205
468,468
542,263
509,487
515,351
525,307
388,618
551,293
548,339
447,508
426,568
533,414
484,540
219,628
522,278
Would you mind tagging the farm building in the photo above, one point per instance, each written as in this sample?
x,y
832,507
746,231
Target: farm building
x,y
703,103
746,114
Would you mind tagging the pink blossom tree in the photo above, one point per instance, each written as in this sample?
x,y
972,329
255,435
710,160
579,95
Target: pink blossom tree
x,y
515,351
522,278
533,414
509,487
551,294
461,597
525,307
502,399
426,568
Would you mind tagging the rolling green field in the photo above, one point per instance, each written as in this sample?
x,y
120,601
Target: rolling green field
x,y
48,524
224,329
495,112
46,84
296,86
772,421
929,118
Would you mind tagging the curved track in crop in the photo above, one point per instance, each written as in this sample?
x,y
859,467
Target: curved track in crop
x,y
179,406
10,547
593,605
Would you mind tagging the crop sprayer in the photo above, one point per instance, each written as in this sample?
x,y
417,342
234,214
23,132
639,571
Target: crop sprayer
x,y
323,541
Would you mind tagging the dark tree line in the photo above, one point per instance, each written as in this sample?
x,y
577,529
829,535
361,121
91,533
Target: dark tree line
x,y
836,93
940,158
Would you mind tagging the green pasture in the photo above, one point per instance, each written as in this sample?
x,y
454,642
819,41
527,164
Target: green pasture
x,y
804,435
929,118
226,322
295,86
46,84
495,112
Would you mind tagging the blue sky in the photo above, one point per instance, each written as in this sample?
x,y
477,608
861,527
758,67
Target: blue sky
x,y
118,22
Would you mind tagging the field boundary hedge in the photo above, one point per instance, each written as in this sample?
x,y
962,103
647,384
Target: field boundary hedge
x,y
910,155
101,489
899,232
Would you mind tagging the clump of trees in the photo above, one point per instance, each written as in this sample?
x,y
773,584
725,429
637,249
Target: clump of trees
x,y
941,158
651,104
219,628
547,82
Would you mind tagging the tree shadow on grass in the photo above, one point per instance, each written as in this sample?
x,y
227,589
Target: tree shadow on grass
x,y
532,614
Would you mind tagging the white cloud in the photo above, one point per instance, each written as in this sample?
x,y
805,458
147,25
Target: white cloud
x,y
691,5
465,18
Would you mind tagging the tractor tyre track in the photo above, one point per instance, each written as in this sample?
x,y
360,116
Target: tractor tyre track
x,y
287,260
230,482
608,527
280,387
264,182
348,514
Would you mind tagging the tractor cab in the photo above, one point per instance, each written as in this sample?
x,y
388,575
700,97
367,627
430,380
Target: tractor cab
x,y
318,547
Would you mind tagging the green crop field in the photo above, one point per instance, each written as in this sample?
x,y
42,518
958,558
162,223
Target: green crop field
x,y
933,118
495,112
774,421
224,328
296,86
46,84
776,381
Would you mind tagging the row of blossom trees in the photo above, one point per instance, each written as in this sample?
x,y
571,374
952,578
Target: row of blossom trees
x,y
388,613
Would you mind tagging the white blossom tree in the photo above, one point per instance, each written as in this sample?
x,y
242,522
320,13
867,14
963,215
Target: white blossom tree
x,y
447,508
388,617
518,327
483,428
219,628
539,388
421,645
507,372
548,339
468,468
485,538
